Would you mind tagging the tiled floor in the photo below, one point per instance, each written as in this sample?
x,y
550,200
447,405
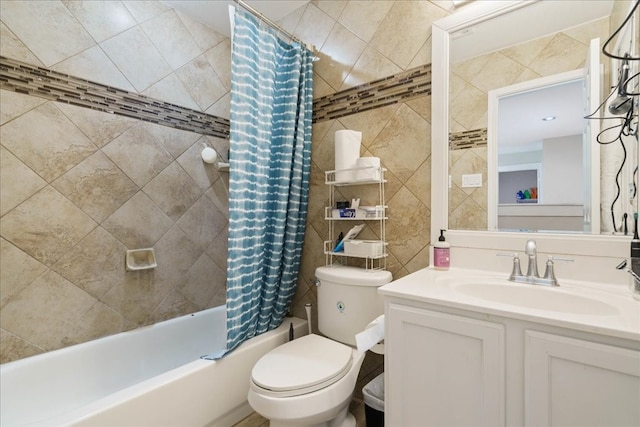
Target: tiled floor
x,y
255,420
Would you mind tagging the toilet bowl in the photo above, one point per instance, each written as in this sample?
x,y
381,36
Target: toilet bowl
x,y
310,381
319,396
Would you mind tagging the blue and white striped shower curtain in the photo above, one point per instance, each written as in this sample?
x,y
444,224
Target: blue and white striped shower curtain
x,y
271,108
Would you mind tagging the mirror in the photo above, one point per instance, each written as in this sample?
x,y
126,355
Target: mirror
x,y
476,19
490,50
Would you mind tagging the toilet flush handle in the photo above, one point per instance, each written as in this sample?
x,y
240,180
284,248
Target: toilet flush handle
x,y
315,281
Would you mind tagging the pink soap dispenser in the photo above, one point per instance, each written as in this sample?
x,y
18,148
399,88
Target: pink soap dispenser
x,y
441,256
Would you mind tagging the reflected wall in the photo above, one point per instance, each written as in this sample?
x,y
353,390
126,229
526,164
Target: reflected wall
x,y
470,82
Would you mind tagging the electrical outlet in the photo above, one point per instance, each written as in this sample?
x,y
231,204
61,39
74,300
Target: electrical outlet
x,y
472,180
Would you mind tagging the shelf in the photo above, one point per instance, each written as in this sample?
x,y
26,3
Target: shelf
x,y
373,254
356,256
355,219
328,244
330,177
360,213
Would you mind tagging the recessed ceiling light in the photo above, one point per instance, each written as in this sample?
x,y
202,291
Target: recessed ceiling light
x,y
548,118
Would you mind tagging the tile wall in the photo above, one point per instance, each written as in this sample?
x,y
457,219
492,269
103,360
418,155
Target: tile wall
x,y
360,42
79,187
471,80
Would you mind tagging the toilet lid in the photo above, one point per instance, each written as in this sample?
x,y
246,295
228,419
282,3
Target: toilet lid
x,y
304,364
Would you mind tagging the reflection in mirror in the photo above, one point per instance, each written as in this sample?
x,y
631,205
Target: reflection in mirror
x,y
474,72
542,155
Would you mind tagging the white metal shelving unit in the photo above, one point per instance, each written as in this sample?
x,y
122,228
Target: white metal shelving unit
x,y
377,262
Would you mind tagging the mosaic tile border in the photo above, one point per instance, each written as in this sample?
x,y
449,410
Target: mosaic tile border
x,y
52,85
378,93
55,86
468,139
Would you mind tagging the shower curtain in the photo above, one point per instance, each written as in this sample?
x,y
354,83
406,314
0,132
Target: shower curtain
x,y
271,107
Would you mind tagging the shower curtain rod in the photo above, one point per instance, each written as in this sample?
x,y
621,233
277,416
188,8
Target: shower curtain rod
x,y
273,25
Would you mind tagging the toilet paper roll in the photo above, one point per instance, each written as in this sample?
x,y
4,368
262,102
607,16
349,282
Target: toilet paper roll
x,y
372,335
373,171
347,151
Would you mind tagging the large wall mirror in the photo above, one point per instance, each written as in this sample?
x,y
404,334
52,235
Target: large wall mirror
x,y
485,56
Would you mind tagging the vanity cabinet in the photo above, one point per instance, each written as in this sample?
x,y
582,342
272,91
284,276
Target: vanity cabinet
x,y
443,369
571,381
447,366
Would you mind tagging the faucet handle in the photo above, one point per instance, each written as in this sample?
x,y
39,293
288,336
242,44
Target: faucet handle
x,y
557,258
549,273
516,271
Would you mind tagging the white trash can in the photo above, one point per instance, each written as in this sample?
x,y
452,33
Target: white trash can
x,y
373,394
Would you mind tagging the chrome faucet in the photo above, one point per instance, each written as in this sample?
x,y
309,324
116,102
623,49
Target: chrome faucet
x,y
532,252
532,276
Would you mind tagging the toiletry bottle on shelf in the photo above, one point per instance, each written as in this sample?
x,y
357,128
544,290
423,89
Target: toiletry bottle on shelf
x,y
441,258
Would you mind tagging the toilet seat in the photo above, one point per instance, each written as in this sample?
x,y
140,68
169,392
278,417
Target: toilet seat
x,y
301,366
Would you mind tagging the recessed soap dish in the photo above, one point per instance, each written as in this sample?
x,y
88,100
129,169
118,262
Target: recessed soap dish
x,y
141,259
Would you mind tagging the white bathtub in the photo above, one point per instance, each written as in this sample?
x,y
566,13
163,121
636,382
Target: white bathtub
x,y
152,376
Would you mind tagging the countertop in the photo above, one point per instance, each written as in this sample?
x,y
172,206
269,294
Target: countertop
x,y
597,308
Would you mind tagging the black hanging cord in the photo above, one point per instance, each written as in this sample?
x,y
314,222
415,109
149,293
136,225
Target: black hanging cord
x,y
625,130
625,84
615,33
626,126
624,160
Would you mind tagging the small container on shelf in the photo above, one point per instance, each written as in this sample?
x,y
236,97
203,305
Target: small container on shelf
x,y
364,248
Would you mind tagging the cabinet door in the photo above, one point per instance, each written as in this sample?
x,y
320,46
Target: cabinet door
x,y
572,382
443,370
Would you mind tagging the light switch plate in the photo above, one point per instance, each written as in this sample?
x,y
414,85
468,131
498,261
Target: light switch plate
x,y
472,180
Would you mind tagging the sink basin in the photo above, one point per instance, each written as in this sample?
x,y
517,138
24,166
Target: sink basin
x,y
536,297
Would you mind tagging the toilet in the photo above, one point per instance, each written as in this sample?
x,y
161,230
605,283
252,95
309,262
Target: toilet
x,y
310,381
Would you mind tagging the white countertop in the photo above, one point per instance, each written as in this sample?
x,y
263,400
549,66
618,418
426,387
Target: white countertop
x,y
603,309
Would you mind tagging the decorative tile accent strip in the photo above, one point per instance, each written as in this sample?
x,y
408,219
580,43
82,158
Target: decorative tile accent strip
x,y
468,139
378,93
44,83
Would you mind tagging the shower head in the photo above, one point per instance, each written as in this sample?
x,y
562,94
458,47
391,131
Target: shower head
x,y
623,102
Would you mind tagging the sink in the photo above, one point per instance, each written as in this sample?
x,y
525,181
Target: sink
x,y
502,291
535,296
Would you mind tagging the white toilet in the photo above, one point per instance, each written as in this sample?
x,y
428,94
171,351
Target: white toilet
x,y
310,381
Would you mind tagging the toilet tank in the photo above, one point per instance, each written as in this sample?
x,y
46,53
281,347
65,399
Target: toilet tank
x,y
348,300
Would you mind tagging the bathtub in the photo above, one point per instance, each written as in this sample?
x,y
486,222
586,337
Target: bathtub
x,y
152,376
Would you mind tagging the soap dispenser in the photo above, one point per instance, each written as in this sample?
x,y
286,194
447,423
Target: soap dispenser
x,y
441,256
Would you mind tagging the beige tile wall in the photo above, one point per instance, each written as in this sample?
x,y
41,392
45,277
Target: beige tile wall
x,y
361,41
79,187
471,81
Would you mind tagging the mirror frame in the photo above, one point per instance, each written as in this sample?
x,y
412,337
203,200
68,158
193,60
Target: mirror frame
x,y
571,244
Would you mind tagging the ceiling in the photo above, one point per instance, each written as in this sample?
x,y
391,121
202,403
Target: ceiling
x,y
520,125
215,13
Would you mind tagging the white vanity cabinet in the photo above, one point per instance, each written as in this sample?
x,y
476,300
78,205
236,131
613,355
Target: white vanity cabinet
x,y
578,382
446,366
443,369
